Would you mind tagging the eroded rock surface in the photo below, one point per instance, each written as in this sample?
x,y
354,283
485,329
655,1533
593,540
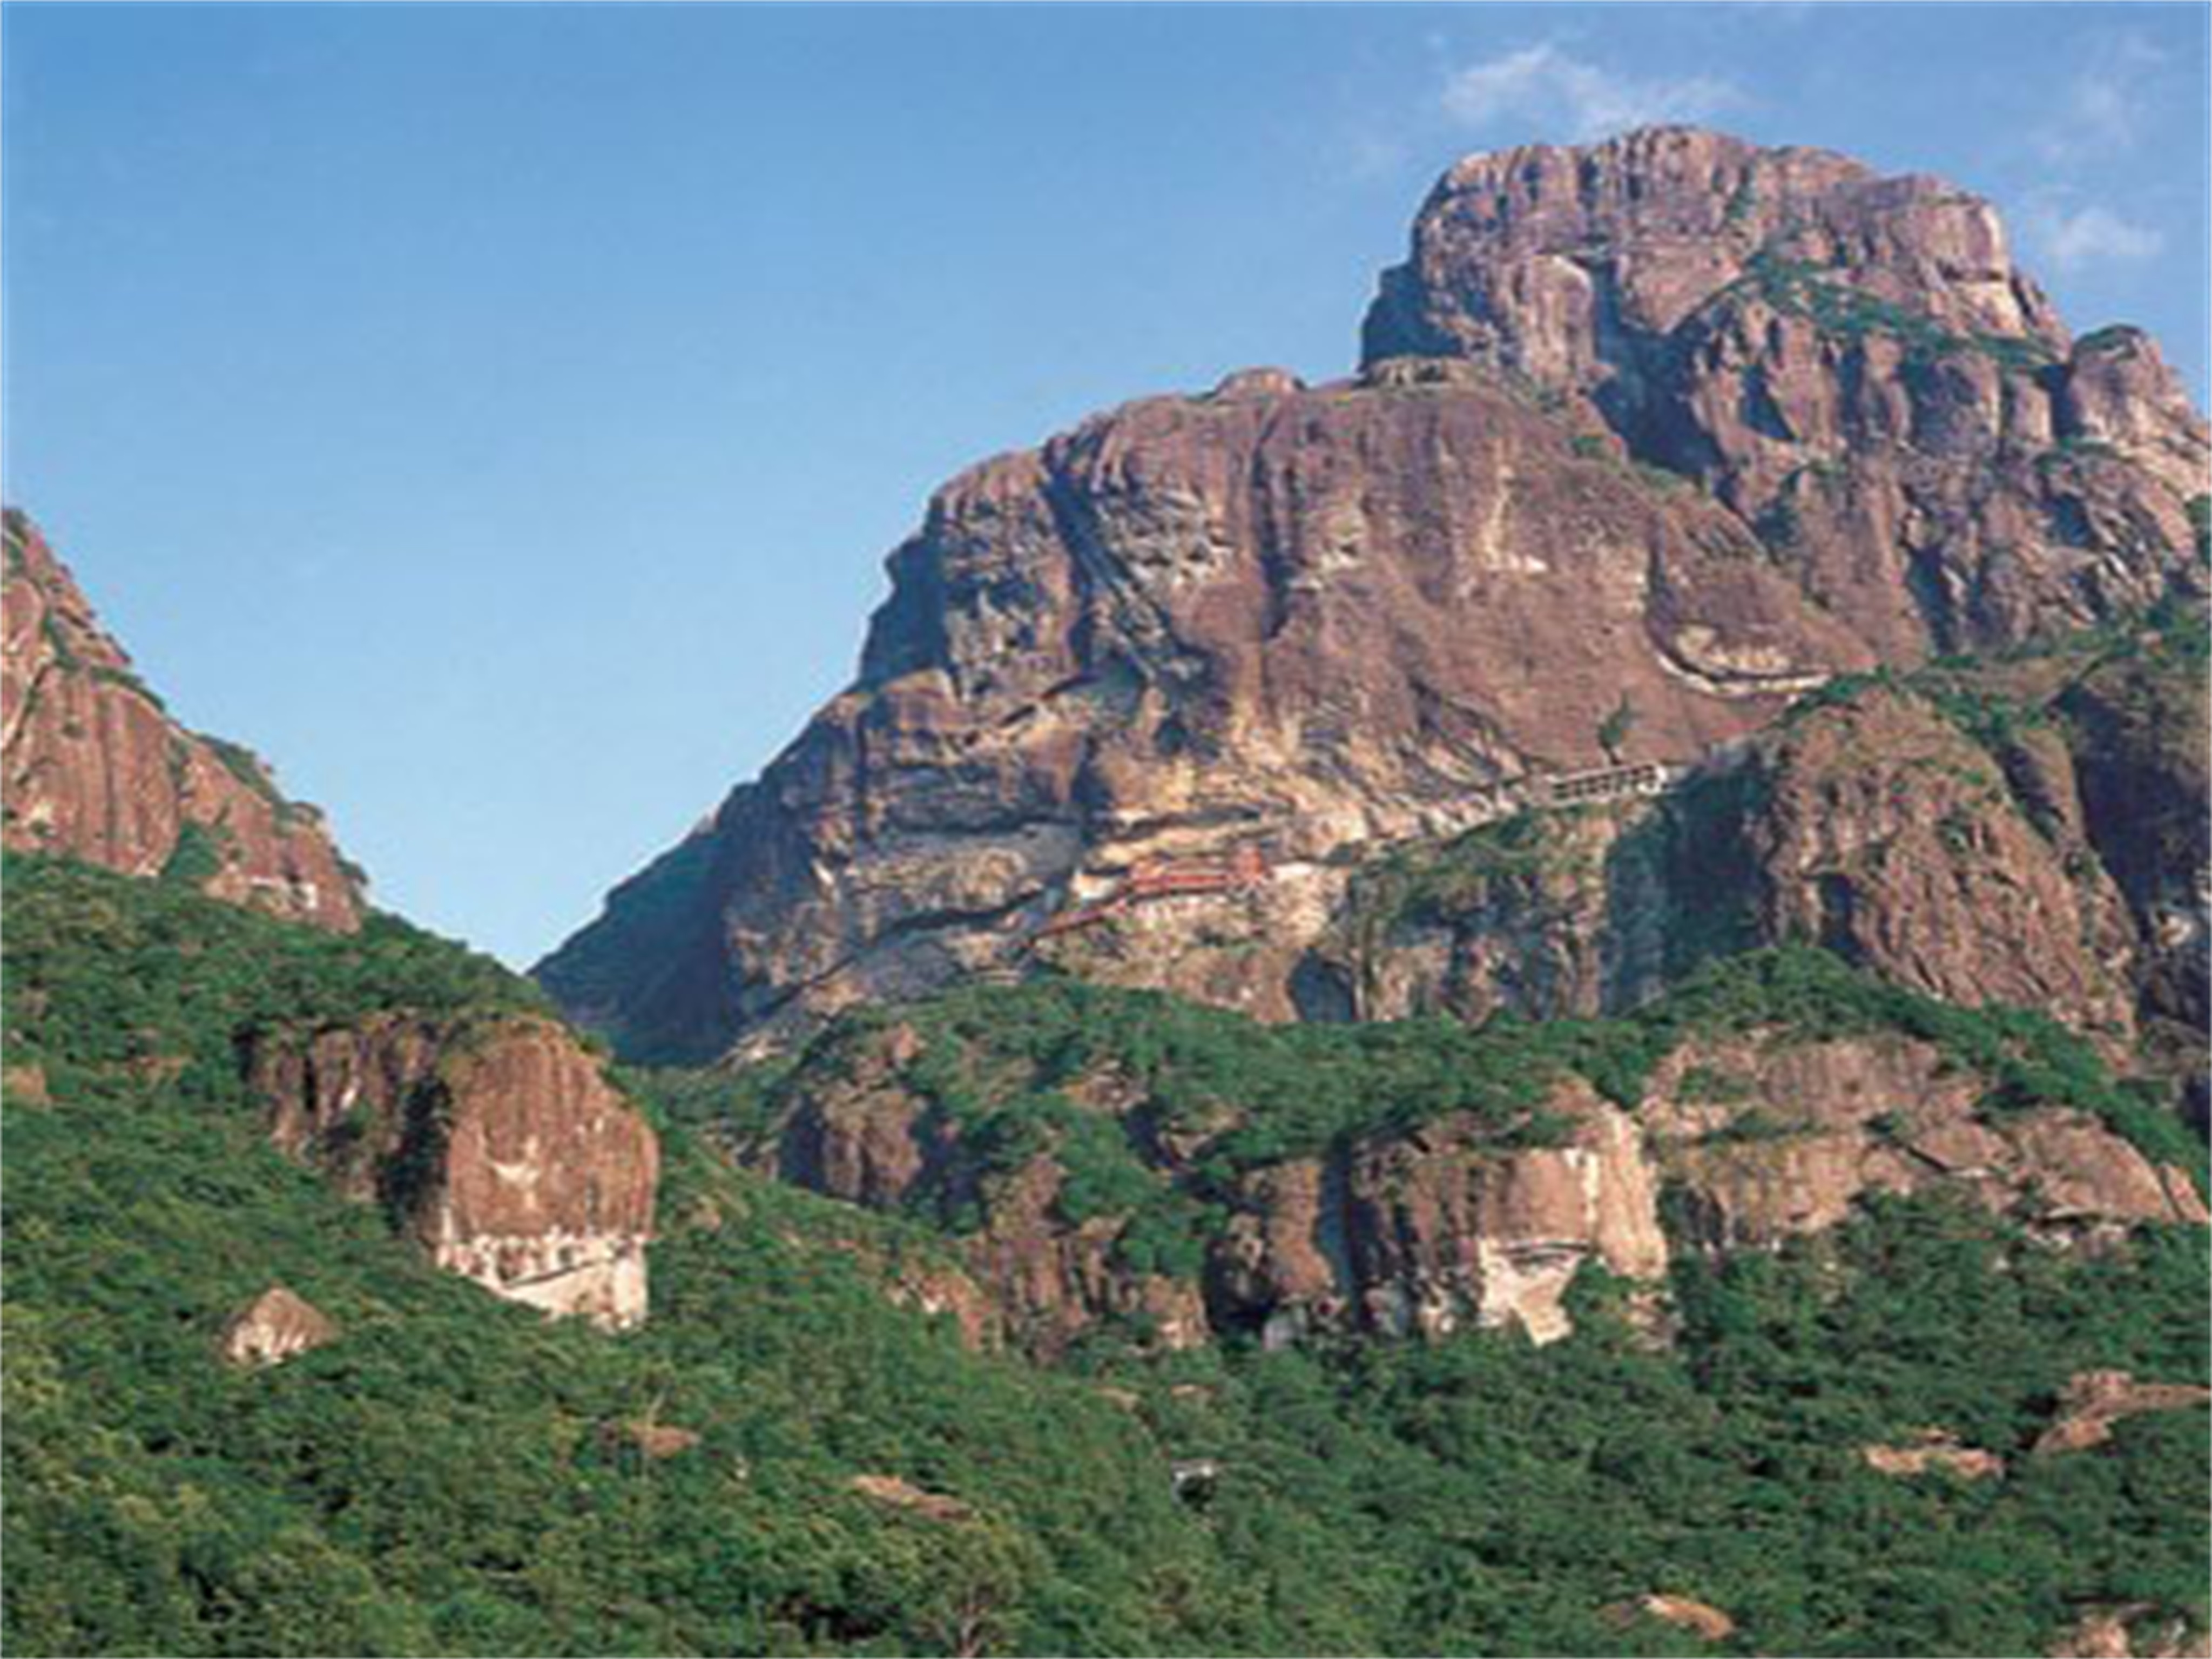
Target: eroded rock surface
x,y
95,768
1765,1137
2094,1402
1652,436
1934,1449
1454,1222
1298,625
492,1141
1853,363
2025,831
276,1326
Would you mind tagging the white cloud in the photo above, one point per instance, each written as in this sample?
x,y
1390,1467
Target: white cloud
x,y
2102,109
1554,89
2091,235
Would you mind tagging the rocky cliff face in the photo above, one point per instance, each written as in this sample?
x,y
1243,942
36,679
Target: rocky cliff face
x,y
95,768
1652,437
1763,1136
493,1142
2024,830
1445,1227
1306,623
1852,363
1740,1141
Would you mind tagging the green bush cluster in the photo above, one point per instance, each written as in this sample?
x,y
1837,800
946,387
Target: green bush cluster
x,y
1799,288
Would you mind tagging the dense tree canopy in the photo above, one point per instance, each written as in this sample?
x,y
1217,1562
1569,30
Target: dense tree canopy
x,y
454,1475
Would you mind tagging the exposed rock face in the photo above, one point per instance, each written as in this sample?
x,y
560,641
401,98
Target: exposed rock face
x,y
1309,623
1701,1618
2134,1631
95,767
494,1143
1440,1231
2095,1401
1765,1137
893,1492
1304,624
657,1442
2140,763
1852,362
2053,858
1934,1448
1453,1223
26,1085
1441,1228
1890,837
1541,915
863,1133
275,1327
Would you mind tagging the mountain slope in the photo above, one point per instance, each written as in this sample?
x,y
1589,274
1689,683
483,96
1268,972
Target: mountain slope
x,y
785,1460
95,767
1653,436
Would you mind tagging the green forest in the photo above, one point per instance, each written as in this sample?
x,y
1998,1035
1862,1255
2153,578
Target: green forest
x,y
455,1475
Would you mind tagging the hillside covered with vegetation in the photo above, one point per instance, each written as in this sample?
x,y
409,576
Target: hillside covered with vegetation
x,y
454,1475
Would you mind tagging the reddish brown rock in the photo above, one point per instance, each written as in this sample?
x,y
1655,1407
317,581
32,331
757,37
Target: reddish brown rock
x,y
1652,436
26,1085
1887,836
1443,1231
2133,1631
656,1441
95,768
1854,363
1766,1136
2138,723
1304,625
493,1141
275,1327
1453,1222
2056,861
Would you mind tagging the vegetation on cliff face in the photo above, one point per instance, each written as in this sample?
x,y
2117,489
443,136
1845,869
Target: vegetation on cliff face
x,y
1002,1060
452,1474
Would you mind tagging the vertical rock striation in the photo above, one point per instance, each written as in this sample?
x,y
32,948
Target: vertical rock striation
x,y
1651,437
493,1142
95,768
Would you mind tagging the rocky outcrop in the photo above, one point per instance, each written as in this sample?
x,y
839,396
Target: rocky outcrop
x,y
2136,722
1302,624
2094,1402
1423,1234
1701,1618
1457,1221
1764,1136
1934,1449
492,1141
1652,436
275,1327
1542,914
2133,1631
95,768
1887,834
1441,1228
1854,363
2024,830
893,1492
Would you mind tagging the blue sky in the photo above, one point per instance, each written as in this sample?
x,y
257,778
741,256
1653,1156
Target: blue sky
x,y
498,414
